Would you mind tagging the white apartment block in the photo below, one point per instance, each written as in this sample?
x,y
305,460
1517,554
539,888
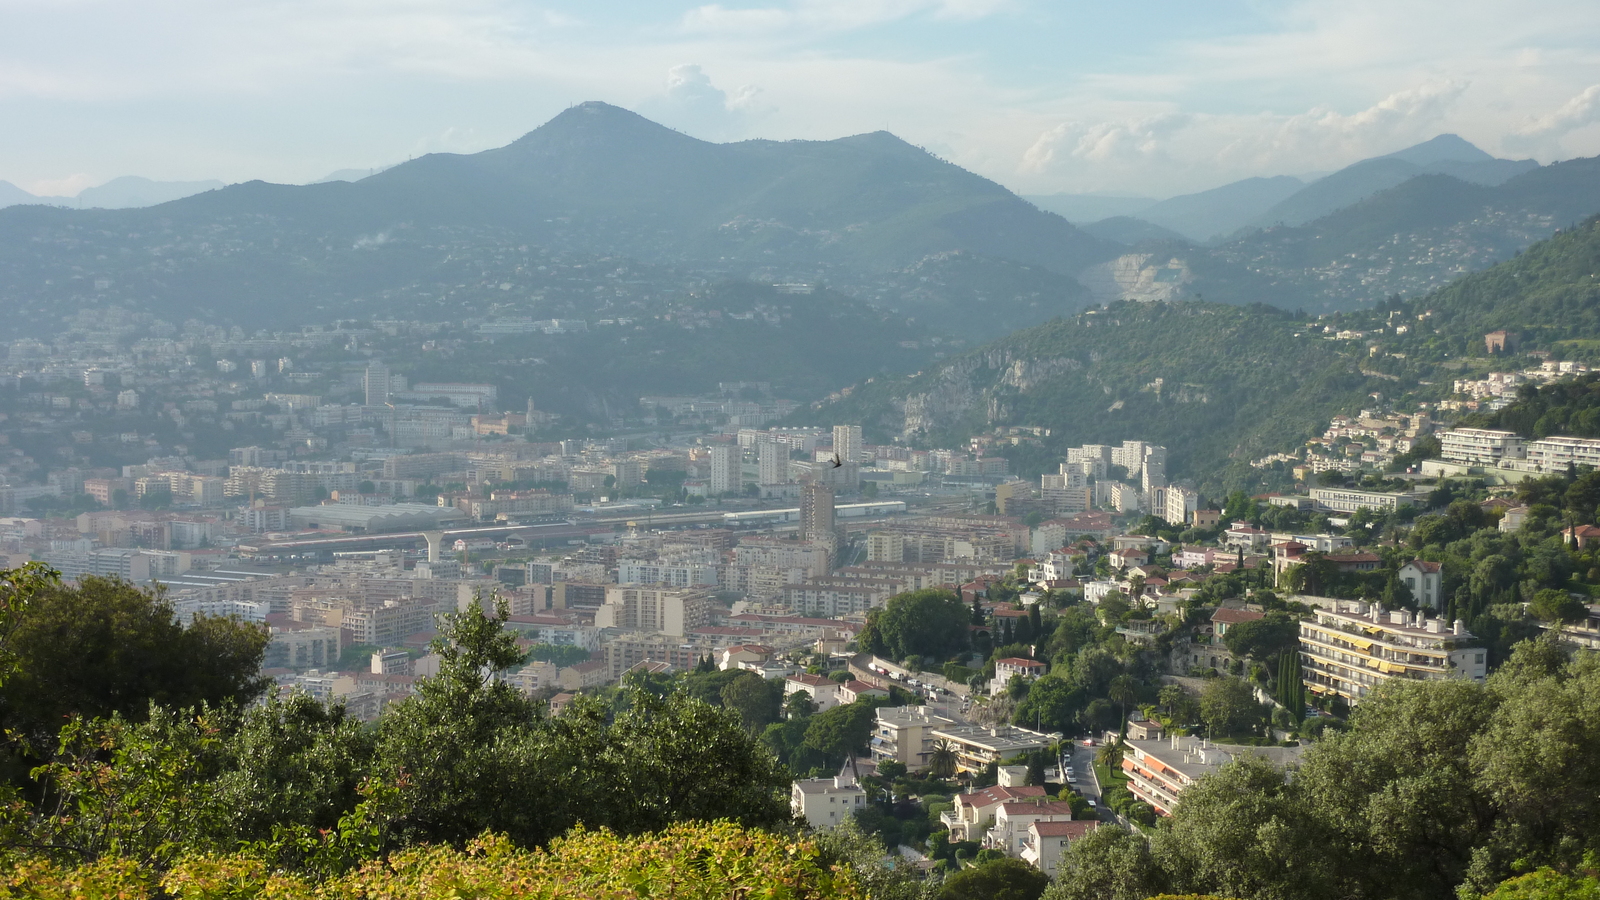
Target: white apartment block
x,y
772,463
685,575
847,443
1179,503
726,468
1347,500
651,608
1480,446
1555,454
1349,650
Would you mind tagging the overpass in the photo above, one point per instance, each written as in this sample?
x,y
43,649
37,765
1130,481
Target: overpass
x,y
538,534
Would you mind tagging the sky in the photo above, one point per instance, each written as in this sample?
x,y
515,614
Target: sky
x,y
1141,97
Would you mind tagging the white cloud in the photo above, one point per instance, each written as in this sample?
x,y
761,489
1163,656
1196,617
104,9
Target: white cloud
x,y
807,16
692,104
1544,132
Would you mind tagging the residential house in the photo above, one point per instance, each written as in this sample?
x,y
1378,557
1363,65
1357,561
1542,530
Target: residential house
x,y
974,813
1423,580
826,802
1014,667
823,691
1048,840
1012,818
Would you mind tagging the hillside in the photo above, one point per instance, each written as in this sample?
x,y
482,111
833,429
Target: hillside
x,y
1227,387
595,180
1235,383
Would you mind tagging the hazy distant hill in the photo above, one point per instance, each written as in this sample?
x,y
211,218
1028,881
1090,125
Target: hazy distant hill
x,y
595,179
1446,154
1129,230
1235,382
131,191
1221,211
118,193
1283,200
1080,208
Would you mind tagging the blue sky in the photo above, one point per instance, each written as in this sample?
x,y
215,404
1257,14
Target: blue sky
x,y
1147,97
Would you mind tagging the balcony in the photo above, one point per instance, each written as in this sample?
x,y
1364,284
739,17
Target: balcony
x,y
951,820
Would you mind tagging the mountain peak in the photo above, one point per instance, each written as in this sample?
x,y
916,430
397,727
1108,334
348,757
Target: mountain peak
x,y
1443,148
596,120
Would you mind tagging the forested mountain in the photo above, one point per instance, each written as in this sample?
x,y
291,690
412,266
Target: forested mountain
x,y
1220,384
595,180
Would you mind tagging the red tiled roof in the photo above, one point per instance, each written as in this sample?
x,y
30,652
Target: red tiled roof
x,y
1069,830
1235,616
812,680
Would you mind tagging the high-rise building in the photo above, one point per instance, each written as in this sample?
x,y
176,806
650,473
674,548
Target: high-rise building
x,y
725,468
816,512
377,384
847,442
772,463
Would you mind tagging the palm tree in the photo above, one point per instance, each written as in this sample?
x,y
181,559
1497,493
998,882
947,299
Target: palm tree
x,y
942,761
1110,755
1124,690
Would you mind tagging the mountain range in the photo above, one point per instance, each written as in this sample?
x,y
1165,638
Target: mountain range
x,y
596,179
870,215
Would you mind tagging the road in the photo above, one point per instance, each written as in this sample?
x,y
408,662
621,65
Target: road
x,y
1081,759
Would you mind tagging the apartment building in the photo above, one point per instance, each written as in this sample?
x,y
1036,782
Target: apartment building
x,y
1349,650
653,608
1481,446
837,597
1160,767
977,746
906,734
1347,500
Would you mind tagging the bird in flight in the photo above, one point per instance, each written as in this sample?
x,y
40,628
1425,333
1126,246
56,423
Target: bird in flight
x,y
837,462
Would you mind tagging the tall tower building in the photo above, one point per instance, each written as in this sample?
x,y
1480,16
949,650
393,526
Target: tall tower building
x,y
377,384
772,463
725,468
816,513
847,442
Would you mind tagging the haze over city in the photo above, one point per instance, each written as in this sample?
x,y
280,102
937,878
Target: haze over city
x,y
1154,99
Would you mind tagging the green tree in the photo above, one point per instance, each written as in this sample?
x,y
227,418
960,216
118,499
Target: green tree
x,y
928,623
106,647
1228,705
1554,605
841,731
1265,638
754,699
1000,879
1107,864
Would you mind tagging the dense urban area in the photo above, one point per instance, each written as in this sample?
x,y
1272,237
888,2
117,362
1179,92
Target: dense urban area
x,y
547,571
